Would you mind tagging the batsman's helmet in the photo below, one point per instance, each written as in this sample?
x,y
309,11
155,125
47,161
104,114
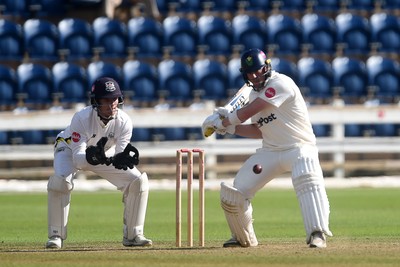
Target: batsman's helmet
x,y
105,87
251,61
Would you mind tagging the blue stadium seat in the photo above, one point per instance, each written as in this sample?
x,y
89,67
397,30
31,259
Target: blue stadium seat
x,y
28,137
18,9
140,81
390,5
176,79
141,135
284,32
35,84
385,31
215,33
353,33
76,38
146,36
286,67
4,140
319,34
194,133
11,41
110,37
69,79
229,6
171,133
249,32
99,69
350,76
321,130
384,74
41,39
8,86
235,77
316,79
210,77
180,34
353,130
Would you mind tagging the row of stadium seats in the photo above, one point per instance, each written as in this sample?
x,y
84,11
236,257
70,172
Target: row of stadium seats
x,y
40,137
281,35
352,80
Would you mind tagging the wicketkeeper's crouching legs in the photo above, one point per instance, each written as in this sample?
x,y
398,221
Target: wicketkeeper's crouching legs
x,y
238,212
59,197
308,183
135,198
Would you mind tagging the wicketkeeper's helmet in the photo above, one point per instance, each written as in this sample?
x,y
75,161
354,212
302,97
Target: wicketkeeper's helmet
x,y
251,61
105,87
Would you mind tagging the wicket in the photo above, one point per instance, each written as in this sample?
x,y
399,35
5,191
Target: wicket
x,y
179,156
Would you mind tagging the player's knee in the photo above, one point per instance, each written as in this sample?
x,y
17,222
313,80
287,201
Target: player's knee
x,y
141,184
59,184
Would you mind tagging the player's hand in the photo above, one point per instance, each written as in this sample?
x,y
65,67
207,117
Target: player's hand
x,y
229,129
95,155
127,158
222,111
208,124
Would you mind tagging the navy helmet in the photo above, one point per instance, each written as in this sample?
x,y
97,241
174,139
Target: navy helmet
x,y
253,60
105,87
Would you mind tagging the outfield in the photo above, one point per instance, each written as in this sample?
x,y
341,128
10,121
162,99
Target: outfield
x,y
365,222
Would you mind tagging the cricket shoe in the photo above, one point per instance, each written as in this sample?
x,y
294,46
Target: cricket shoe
x,y
138,241
54,242
318,240
232,243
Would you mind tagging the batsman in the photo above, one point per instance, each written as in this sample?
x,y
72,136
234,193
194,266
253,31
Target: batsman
x,y
278,116
98,140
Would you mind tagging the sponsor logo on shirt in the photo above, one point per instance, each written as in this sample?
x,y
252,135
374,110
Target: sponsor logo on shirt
x,y
270,92
76,137
266,120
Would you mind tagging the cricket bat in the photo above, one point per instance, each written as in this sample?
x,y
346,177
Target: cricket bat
x,y
240,99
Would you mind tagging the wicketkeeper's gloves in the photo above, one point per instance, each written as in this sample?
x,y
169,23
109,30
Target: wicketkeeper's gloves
x,y
95,155
127,158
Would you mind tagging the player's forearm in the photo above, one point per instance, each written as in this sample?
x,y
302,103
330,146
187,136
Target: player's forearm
x,y
249,131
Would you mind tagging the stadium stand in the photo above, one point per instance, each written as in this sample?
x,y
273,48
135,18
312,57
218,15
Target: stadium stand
x,y
319,35
69,81
11,42
145,38
75,39
215,35
180,36
35,85
353,35
176,81
249,32
286,67
8,88
41,40
235,77
385,33
210,78
284,35
140,83
110,38
315,80
100,68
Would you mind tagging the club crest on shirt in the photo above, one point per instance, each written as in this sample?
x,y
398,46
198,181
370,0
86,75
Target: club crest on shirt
x,y
270,92
76,137
110,87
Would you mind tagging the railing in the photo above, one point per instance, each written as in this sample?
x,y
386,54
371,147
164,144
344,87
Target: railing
x,y
337,144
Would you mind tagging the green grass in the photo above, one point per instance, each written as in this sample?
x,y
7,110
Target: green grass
x,y
365,223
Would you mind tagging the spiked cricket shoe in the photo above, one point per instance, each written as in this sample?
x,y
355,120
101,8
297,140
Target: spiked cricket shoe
x,y
54,242
138,241
318,240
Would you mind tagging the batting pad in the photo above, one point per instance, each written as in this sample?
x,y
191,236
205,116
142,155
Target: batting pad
x,y
135,202
58,202
238,212
312,197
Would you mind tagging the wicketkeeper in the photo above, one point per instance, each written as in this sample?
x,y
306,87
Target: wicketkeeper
x,y
98,140
279,117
